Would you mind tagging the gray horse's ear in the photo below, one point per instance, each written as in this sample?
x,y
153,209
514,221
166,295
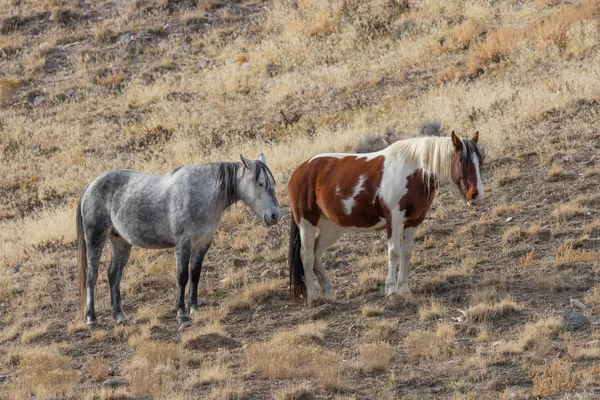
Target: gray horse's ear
x,y
249,164
261,157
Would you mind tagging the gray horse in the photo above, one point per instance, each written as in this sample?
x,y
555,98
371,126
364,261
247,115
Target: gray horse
x,y
180,209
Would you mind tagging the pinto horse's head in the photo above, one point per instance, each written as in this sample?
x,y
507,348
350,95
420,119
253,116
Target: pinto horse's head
x,y
465,169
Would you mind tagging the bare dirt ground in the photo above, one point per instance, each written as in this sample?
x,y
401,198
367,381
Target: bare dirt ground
x,y
150,85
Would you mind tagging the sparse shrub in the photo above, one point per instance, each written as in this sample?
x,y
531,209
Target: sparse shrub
x,y
370,310
376,356
565,255
253,294
46,373
489,312
298,392
8,89
99,369
435,346
433,309
553,377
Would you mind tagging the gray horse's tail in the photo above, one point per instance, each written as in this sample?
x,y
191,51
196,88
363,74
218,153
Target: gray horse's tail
x,y
297,285
81,257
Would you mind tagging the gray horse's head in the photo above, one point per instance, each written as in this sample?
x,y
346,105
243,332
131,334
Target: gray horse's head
x,y
256,188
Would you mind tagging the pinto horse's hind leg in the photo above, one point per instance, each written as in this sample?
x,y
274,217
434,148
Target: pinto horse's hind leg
x,y
329,233
182,253
405,253
95,240
307,253
121,251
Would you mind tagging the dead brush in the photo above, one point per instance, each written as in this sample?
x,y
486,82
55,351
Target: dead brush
x,y
8,90
431,309
566,255
434,346
153,368
485,312
376,356
553,377
254,293
379,331
45,373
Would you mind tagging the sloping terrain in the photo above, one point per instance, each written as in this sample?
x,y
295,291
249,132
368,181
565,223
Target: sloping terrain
x,y
88,86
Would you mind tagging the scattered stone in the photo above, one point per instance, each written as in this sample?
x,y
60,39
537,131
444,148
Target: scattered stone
x,y
499,342
203,64
273,69
3,378
44,46
125,38
115,382
462,317
329,94
50,66
578,304
211,342
240,263
509,219
38,100
574,321
17,266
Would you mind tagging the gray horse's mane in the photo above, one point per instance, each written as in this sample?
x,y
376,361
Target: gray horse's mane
x,y
227,182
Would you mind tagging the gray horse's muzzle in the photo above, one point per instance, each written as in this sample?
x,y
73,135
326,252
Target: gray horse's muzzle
x,y
271,217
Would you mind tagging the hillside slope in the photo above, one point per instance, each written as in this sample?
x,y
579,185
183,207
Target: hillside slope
x,y
87,86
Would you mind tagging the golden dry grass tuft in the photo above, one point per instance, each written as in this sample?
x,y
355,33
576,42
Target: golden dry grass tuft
x,y
45,373
153,368
370,310
553,377
297,392
566,254
379,331
486,311
376,356
435,346
432,309
253,294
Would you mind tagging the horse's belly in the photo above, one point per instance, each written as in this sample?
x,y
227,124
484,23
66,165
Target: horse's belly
x,y
148,236
377,227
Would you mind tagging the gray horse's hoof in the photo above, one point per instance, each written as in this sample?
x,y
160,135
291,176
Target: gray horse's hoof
x,y
92,325
193,310
122,318
183,317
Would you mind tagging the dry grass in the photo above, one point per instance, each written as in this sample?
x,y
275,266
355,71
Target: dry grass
x,y
254,294
432,309
490,311
229,391
30,335
77,326
297,392
506,177
565,255
99,368
593,298
209,373
371,310
506,210
435,346
526,261
376,356
567,211
379,331
45,373
553,377
153,368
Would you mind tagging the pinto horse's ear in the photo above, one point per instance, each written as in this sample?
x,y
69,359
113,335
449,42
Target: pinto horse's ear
x,y
261,157
456,142
475,137
248,164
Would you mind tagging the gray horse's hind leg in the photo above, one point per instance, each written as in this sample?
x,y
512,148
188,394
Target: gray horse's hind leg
x,y
183,250
195,269
121,251
95,241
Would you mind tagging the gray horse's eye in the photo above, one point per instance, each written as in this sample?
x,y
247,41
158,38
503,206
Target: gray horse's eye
x,y
260,184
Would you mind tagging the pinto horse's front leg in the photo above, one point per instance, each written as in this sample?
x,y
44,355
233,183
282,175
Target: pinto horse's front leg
x,y
307,253
182,253
395,227
405,253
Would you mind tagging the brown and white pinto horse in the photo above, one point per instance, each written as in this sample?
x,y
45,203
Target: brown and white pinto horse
x,y
391,189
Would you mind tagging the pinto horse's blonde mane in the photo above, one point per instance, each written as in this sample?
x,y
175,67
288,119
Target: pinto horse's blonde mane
x,y
432,155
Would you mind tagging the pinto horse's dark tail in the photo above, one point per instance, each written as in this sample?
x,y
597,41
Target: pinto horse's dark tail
x,y
297,285
81,258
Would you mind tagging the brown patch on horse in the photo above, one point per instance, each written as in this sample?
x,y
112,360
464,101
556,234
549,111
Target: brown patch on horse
x,y
418,198
325,182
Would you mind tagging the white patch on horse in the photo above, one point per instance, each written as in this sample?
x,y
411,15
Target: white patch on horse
x,y
480,192
349,202
379,225
337,190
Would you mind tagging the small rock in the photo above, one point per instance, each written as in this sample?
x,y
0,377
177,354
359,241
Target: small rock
x,y
36,147
273,69
578,304
50,66
114,382
44,46
3,378
125,38
17,266
329,94
509,219
574,321
240,263
499,342
203,64
38,100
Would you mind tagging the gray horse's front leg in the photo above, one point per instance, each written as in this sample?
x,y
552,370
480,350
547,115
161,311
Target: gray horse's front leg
x,y
195,269
121,251
182,253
